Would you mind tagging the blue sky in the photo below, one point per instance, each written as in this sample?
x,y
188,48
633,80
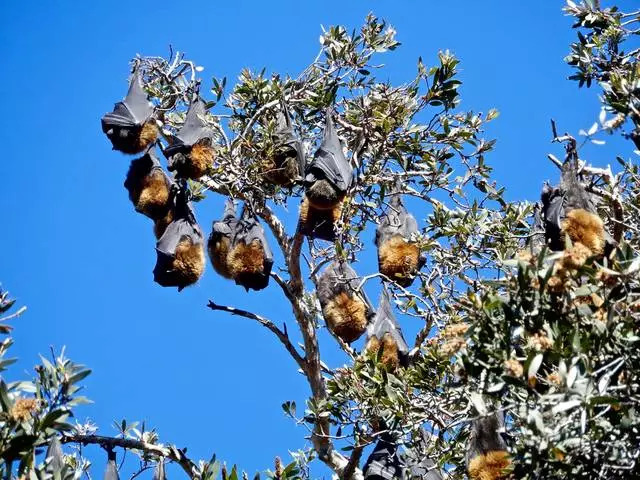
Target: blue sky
x,y
76,253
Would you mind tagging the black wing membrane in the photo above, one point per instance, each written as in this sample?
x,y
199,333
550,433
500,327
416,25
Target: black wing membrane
x,y
385,325
193,129
219,243
286,138
329,161
487,455
569,207
149,186
180,249
134,110
418,465
250,260
54,456
111,471
286,167
384,463
398,258
346,309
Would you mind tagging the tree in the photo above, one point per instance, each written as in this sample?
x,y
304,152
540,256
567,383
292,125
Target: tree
x,y
530,344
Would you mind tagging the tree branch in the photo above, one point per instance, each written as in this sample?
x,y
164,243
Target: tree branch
x,y
108,443
282,336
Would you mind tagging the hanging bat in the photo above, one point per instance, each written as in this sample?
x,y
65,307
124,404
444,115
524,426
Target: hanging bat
x,y
418,465
250,259
180,250
158,472
318,223
219,242
111,472
54,456
487,457
131,126
329,175
149,186
384,462
160,225
568,210
384,333
398,258
191,151
286,166
346,310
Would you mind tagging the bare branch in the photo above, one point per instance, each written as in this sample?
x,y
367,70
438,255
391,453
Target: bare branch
x,y
282,336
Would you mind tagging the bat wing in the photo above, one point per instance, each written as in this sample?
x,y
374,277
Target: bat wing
x,y
329,160
184,226
486,436
54,455
384,462
111,472
286,137
385,322
134,110
396,221
193,129
120,117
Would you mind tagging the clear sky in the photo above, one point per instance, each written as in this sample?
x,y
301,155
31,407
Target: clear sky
x,y
77,254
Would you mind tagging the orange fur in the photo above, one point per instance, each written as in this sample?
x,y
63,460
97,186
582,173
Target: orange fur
x,y
246,259
201,158
389,358
219,254
148,134
189,261
492,466
161,224
281,170
318,221
398,260
346,317
153,197
586,228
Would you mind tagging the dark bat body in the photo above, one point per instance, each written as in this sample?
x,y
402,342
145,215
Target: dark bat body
x,y
568,210
149,186
191,151
346,310
398,258
250,259
180,249
131,127
286,167
111,471
219,244
384,463
318,223
384,333
54,456
487,457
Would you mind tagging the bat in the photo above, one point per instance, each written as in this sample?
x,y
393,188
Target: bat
x,y
250,259
568,210
54,456
398,258
318,223
219,242
191,152
385,462
131,127
158,472
149,186
384,333
286,166
419,465
180,250
329,175
111,472
346,309
487,456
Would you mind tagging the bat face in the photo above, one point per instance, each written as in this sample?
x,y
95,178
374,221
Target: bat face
x,y
180,249
131,127
329,162
250,259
